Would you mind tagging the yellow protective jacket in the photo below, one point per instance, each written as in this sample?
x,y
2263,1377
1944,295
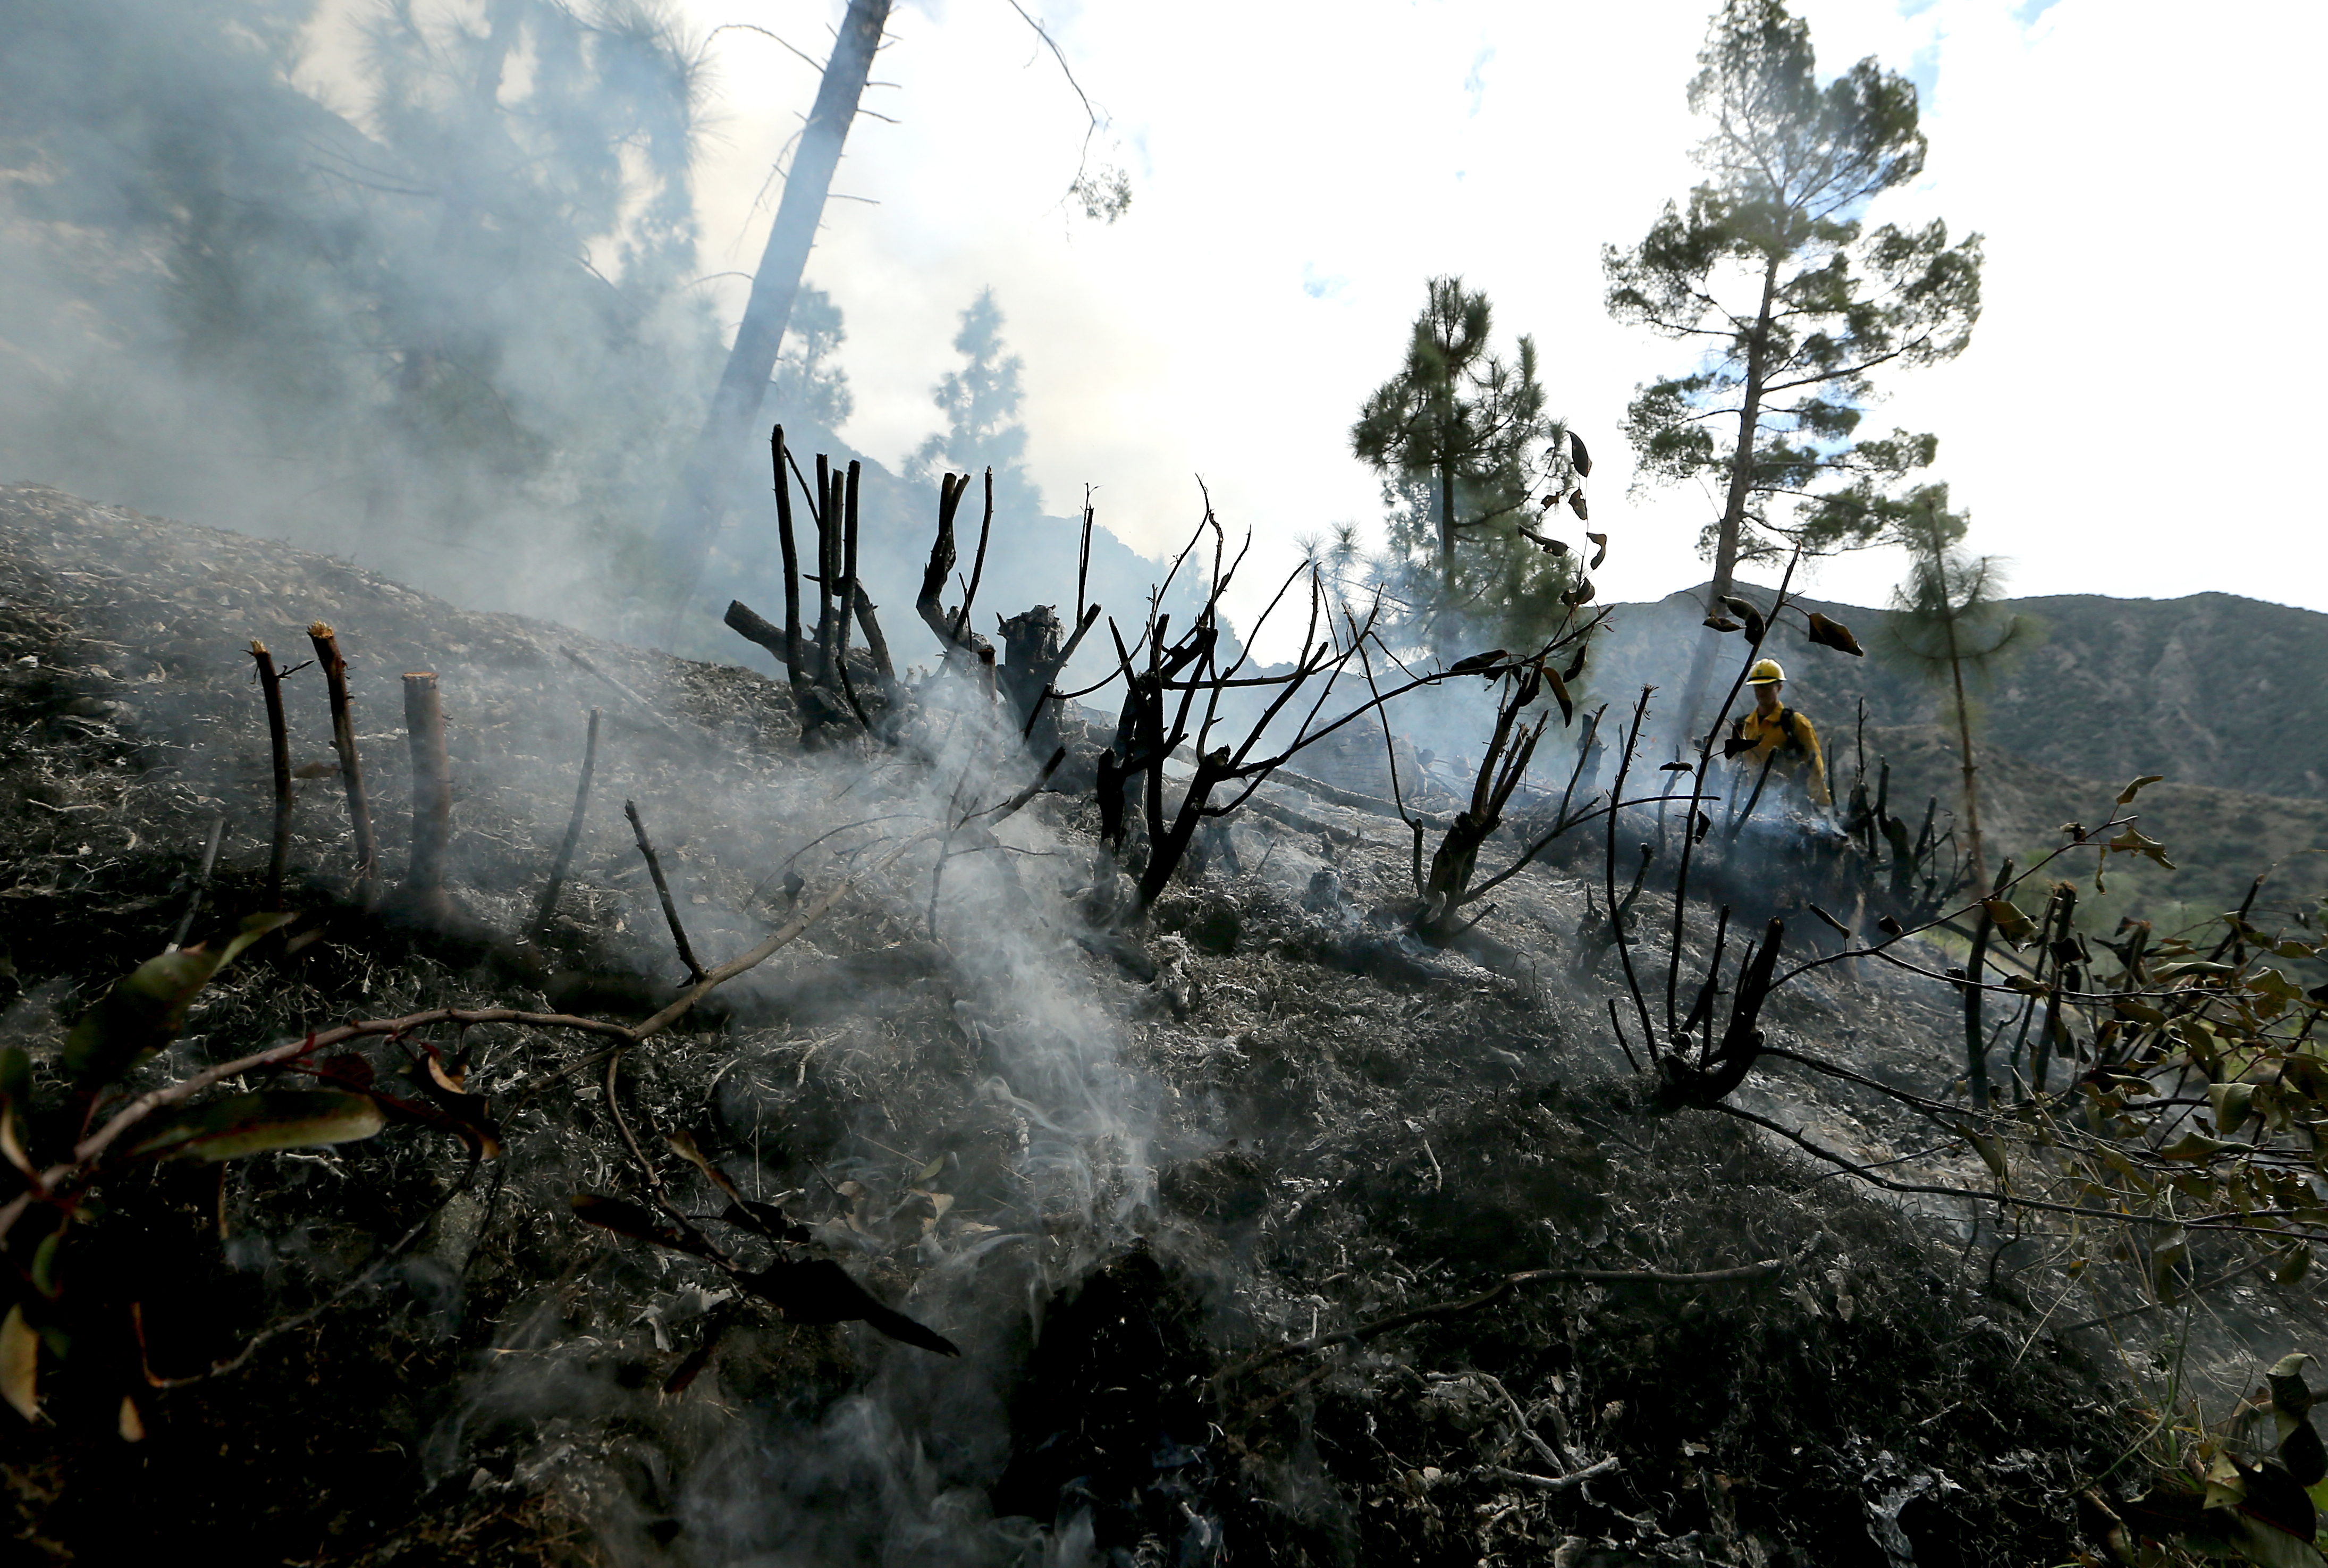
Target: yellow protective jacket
x,y
1787,737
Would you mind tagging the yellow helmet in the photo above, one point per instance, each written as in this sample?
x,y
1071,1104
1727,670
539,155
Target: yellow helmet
x,y
1766,672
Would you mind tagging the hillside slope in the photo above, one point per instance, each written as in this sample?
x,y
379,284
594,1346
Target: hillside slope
x,y
2210,689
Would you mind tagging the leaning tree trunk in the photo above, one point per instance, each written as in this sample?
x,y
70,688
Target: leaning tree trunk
x,y
1734,506
693,515
1964,735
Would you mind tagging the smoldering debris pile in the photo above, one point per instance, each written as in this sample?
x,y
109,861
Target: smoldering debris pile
x,y
1264,1230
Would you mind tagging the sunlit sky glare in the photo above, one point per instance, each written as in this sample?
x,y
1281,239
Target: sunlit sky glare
x,y
2131,418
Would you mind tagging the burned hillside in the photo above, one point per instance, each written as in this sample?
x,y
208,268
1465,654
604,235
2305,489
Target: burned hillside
x,y
987,1220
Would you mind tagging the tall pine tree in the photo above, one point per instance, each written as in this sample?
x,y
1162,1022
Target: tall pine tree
x,y
1791,301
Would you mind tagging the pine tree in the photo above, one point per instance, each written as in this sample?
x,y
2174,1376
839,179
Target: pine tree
x,y
811,393
1792,301
1947,622
471,304
981,403
1460,438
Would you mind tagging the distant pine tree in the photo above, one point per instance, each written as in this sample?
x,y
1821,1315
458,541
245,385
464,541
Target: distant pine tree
x,y
809,394
1948,620
981,403
1460,439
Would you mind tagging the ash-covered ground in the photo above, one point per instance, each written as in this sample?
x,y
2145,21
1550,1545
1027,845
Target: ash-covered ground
x,y
1121,1169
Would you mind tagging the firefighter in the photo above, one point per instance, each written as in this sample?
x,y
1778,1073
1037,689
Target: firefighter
x,y
1776,735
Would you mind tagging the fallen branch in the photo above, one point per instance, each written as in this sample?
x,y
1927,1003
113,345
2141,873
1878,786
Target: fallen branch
x,y
1552,1483
663,892
153,1100
1334,795
2225,1278
88,1149
2013,1200
641,703
1497,1292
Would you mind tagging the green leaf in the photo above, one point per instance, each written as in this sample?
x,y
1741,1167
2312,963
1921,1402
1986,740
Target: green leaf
x,y
2014,925
2226,1485
2301,1450
2272,983
2231,1104
2125,796
2268,1546
16,1105
1991,1152
2166,1256
244,1124
684,1144
20,1363
2190,967
2195,1145
146,1008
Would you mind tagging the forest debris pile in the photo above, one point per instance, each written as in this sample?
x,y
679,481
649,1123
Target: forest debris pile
x,y
1142,1179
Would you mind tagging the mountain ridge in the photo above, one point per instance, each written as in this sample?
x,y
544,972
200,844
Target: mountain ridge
x,y
2211,689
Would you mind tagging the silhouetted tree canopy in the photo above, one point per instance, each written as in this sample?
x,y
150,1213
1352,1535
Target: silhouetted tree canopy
x,y
981,403
457,287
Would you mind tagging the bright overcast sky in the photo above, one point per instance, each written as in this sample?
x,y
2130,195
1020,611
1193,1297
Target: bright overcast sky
x,y
2128,420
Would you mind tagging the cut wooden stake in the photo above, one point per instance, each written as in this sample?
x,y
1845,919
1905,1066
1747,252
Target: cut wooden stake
x,y
343,741
573,829
695,970
270,684
432,787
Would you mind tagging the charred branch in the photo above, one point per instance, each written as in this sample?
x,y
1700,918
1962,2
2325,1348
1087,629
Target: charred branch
x,y
278,848
784,642
343,741
431,790
647,710
966,652
1033,657
203,873
695,971
568,845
